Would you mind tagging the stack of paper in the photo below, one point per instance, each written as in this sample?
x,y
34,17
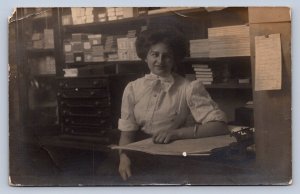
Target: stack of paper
x,y
203,73
229,41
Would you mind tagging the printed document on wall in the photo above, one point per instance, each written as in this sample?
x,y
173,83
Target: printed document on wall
x,y
268,63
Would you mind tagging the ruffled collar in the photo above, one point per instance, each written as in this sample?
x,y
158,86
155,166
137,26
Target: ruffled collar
x,y
166,82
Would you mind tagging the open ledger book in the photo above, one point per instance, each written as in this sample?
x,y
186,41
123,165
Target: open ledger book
x,y
186,147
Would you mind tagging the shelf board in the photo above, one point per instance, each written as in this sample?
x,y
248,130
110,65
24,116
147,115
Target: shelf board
x,y
207,59
137,19
104,63
228,86
46,51
45,14
176,11
44,76
76,142
186,60
45,105
95,25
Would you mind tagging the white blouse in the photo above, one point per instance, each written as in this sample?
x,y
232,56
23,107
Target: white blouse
x,y
153,103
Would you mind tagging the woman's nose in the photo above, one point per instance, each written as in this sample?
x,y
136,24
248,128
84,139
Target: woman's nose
x,y
160,60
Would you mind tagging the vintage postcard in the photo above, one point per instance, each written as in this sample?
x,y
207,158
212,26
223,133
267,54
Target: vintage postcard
x,y
131,96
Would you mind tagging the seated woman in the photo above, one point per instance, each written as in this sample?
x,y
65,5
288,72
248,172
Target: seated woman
x,y
160,103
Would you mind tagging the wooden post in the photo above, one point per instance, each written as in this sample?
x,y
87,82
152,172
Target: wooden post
x,y
272,109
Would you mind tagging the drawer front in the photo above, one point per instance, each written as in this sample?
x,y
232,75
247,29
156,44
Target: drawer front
x,y
87,121
88,103
85,130
86,111
83,93
83,83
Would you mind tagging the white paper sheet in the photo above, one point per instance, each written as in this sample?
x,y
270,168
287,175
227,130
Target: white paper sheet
x,y
200,146
268,62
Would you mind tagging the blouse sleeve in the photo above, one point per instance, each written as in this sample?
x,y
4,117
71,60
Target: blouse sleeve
x,y
202,107
127,122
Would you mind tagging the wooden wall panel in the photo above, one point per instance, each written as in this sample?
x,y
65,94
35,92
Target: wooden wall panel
x,y
269,14
272,109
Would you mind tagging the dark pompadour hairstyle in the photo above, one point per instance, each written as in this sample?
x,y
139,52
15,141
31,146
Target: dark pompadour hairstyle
x,y
173,38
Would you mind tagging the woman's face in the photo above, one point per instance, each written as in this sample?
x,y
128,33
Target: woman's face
x,y
160,59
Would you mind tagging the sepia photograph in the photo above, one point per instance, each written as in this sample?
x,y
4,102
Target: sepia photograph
x,y
135,96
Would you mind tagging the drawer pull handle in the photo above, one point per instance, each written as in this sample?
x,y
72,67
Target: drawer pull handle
x,y
96,82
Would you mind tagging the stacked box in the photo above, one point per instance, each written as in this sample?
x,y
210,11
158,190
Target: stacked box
x,y
123,48
100,14
109,43
126,49
43,40
48,38
97,53
71,72
95,39
142,11
129,12
110,48
37,40
75,47
229,41
88,57
84,48
69,57
78,57
78,15
87,46
67,46
126,46
199,48
82,15
111,13
44,65
121,13
89,15
66,20
79,37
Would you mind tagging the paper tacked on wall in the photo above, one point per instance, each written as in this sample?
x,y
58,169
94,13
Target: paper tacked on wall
x,y
268,63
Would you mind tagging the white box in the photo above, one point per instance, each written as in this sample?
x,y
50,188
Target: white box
x,y
67,47
111,18
128,12
89,11
110,14
87,46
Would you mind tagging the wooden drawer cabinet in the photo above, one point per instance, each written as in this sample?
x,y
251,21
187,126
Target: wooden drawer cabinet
x,y
84,106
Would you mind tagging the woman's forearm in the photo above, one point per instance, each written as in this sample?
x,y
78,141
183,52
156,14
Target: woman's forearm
x,y
126,138
125,163
205,130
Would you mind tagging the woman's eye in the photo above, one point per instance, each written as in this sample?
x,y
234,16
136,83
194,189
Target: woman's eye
x,y
155,54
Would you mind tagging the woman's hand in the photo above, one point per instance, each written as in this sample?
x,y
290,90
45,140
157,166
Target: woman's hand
x,y
124,167
165,136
